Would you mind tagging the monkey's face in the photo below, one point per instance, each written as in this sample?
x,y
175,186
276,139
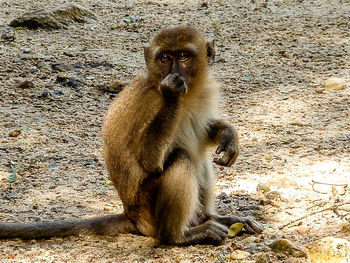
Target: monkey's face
x,y
176,62
181,52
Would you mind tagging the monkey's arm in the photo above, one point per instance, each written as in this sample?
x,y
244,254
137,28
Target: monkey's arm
x,y
159,134
227,138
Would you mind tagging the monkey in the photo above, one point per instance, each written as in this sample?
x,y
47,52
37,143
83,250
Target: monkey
x,y
157,135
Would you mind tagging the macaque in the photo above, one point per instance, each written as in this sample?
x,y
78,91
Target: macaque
x,y
157,135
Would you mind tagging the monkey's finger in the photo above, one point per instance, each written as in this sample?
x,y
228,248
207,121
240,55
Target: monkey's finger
x,y
223,160
224,145
219,149
253,227
232,159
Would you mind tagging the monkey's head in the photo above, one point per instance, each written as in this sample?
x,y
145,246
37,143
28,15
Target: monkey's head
x,y
179,50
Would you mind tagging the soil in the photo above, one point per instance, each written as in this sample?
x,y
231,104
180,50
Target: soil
x,y
272,60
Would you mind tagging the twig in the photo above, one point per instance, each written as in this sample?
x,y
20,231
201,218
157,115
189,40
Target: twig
x,y
333,208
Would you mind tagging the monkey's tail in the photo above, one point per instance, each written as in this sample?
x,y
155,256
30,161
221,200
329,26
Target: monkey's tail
x,y
105,225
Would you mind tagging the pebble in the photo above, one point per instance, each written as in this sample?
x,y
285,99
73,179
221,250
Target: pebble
x,y
334,84
8,36
15,133
57,92
60,67
346,228
273,195
54,18
239,254
286,246
26,85
27,51
329,250
303,230
264,188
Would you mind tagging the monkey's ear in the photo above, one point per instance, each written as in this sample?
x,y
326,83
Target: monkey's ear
x,y
147,54
211,52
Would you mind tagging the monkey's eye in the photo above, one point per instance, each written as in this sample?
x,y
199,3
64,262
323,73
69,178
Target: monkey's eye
x,y
164,59
183,56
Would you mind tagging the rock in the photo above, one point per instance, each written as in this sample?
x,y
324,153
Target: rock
x,y
239,254
263,258
329,250
262,188
29,56
65,80
115,87
62,78
73,83
27,50
334,84
287,247
4,175
54,18
346,228
273,195
15,133
8,36
302,229
26,85
60,67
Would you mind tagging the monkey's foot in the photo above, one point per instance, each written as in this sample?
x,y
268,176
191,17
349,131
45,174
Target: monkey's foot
x,y
250,224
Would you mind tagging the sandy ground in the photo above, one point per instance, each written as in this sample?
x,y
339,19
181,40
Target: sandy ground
x,y
272,60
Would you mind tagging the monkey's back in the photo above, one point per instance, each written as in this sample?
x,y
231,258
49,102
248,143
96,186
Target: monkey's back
x,y
122,131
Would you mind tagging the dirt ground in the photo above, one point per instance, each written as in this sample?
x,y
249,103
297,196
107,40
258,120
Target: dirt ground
x,y
272,60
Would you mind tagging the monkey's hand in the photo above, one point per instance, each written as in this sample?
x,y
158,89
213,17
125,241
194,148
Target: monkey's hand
x,y
173,85
229,145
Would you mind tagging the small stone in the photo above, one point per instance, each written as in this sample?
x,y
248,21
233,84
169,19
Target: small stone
x,y
319,91
273,195
62,77
15,133
250,241
303,230
45,94
239,254
27,51
4,175
287,247
8,36
57,92
60,67
73,82
346,228
334,84
329,250
29,56
262,188
26,84
115,87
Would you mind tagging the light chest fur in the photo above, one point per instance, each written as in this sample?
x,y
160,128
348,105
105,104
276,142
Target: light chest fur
x,y
195,115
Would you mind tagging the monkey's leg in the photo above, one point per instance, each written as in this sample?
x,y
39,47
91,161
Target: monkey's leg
x,y
207,197
178,204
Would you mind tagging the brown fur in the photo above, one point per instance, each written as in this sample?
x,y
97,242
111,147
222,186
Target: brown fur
x,y
157,134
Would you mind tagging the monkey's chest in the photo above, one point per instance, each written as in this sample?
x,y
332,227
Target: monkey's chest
x,y
192,135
